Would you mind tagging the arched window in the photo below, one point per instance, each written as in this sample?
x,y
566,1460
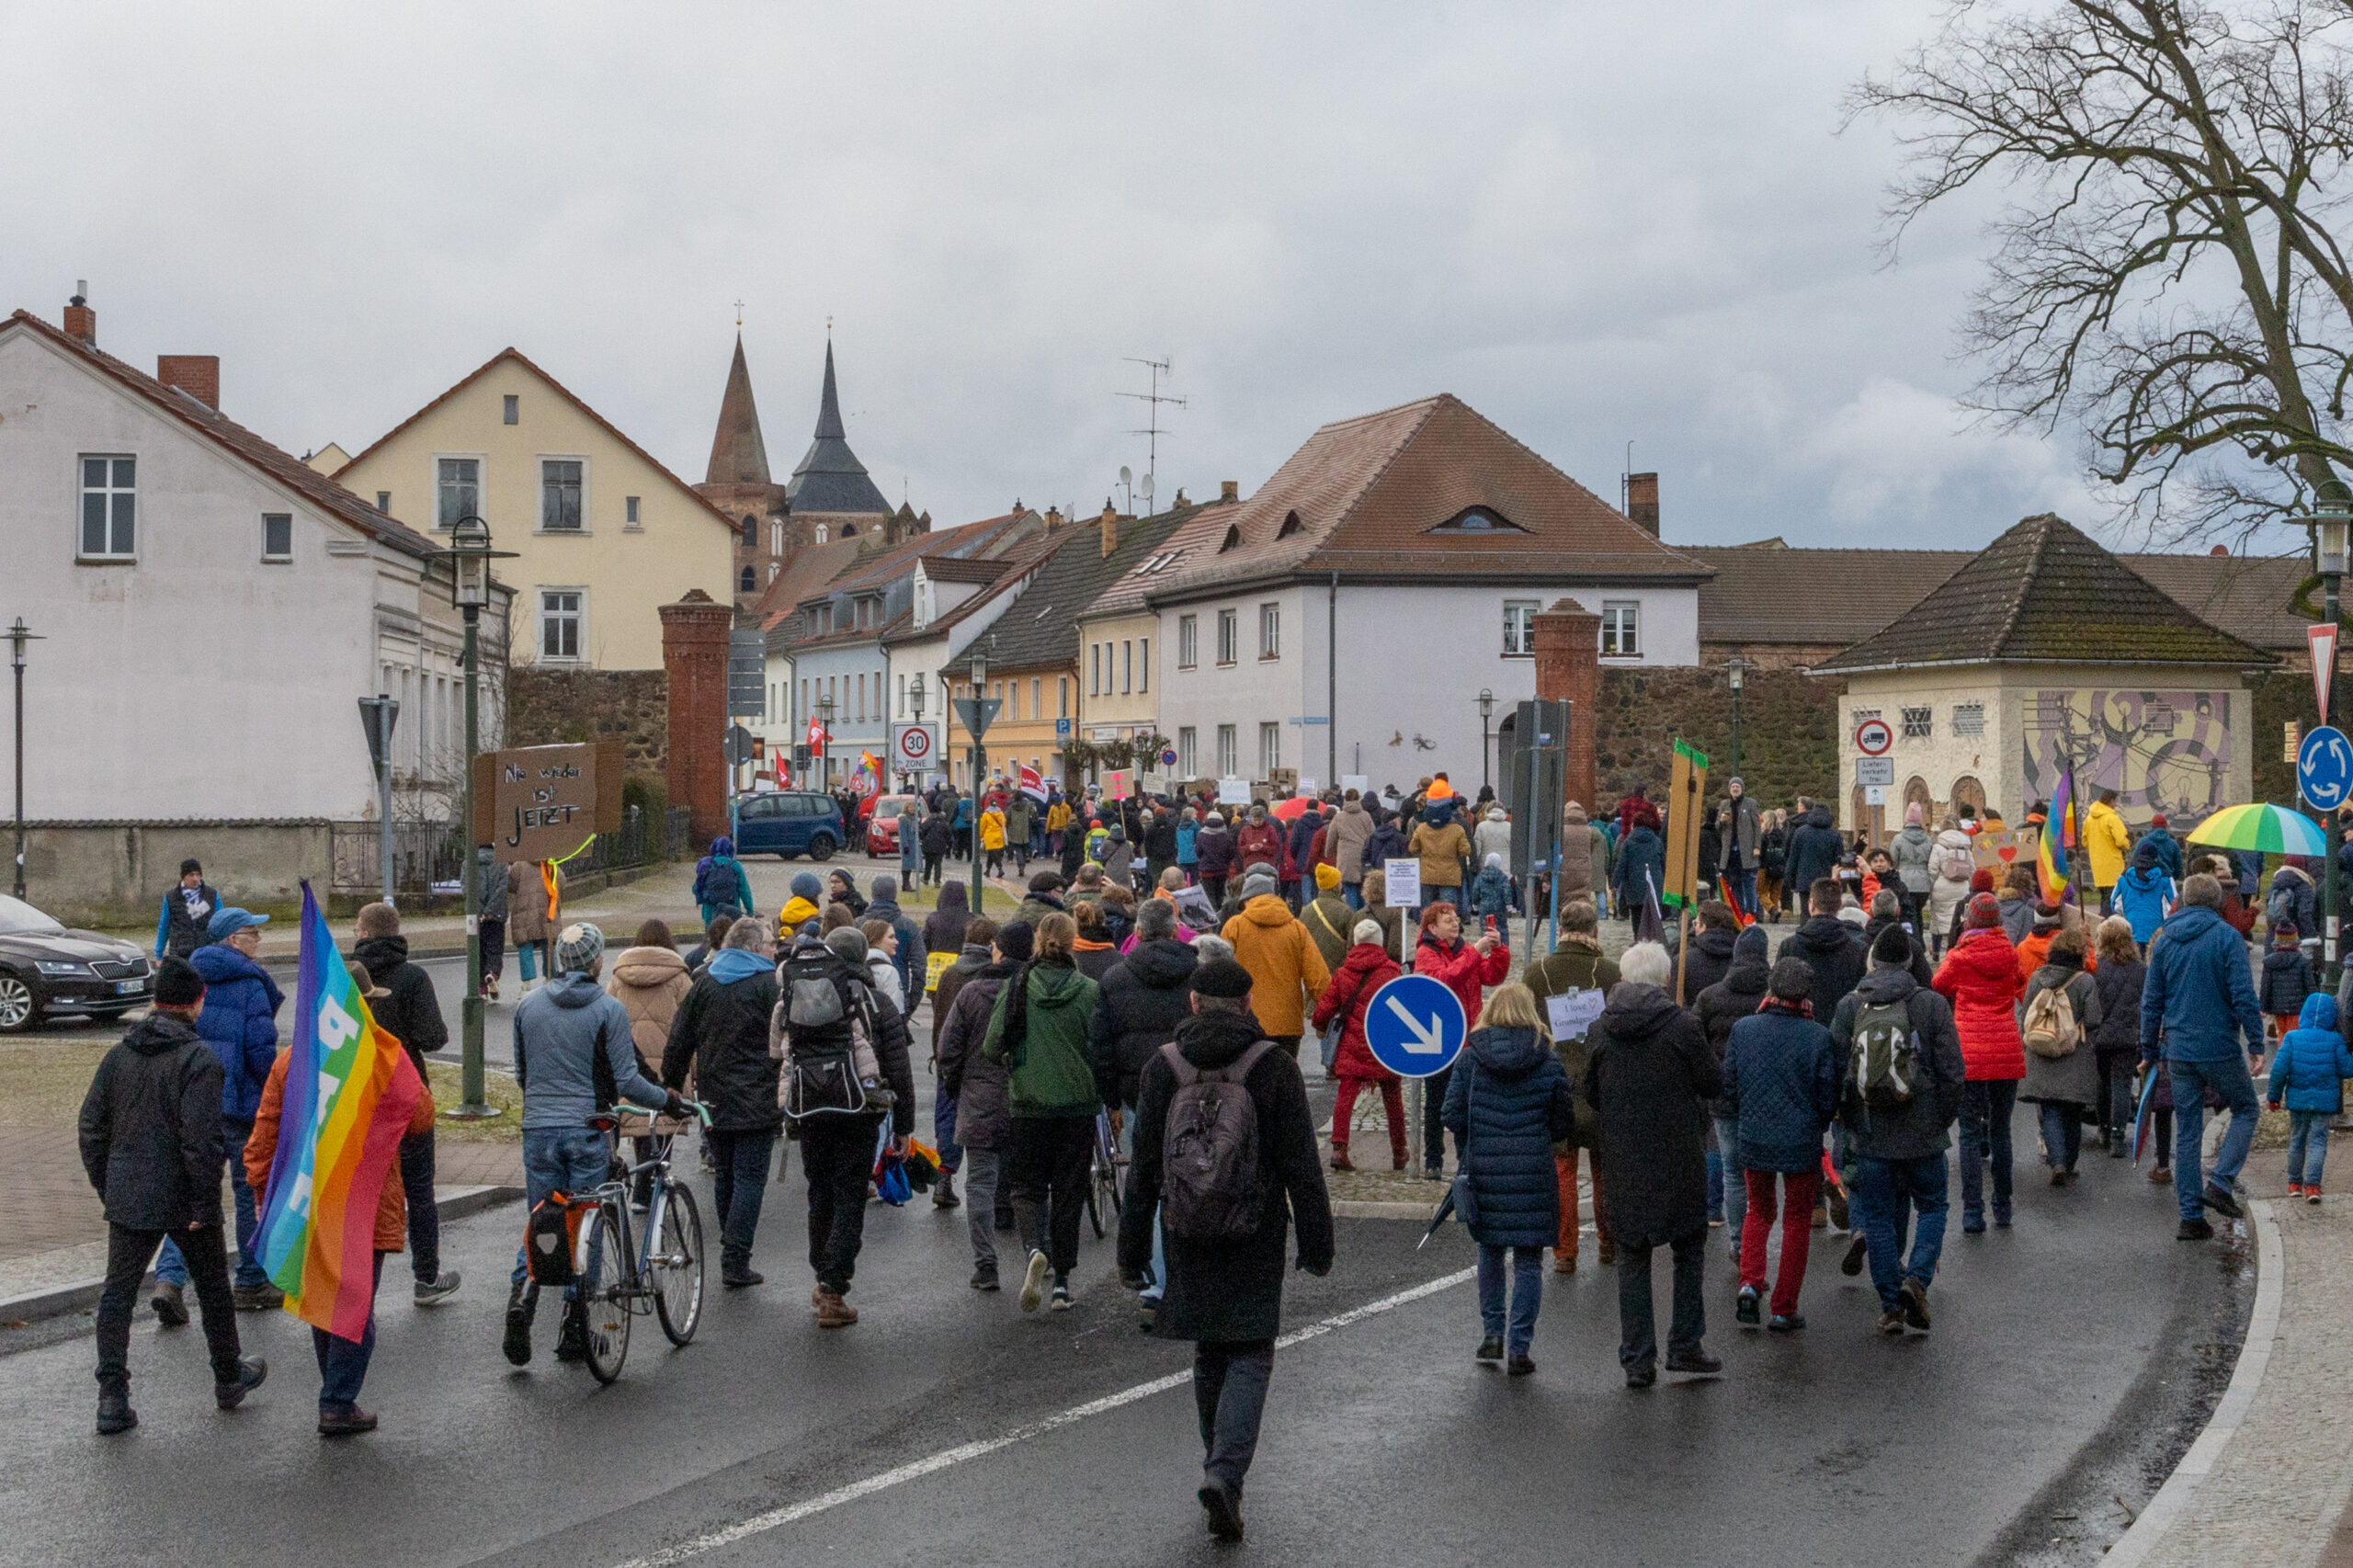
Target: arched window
x,y
749,581
821,533
751,532
848,529
1967,791
776,537
1917,793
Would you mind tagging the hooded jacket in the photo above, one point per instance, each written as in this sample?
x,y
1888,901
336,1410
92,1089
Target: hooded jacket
x,y
1145,996
1708,961
2199,991
1213,851
1443,846
560,1030
2287,980
1640,852
1980,977
1917,1129
1574,964
1492,837
1780,1089
1366,968
649,983
943,929
1049,1068
2309,1072
413,1012
2168,851
1297,844
1650,1076
910,960
239,1023
721,884
150,1128
1287,969
982,1088
2072,1079
1230,1290
1831,949
1349,832
2120,1008
528,919
1922,971
1814,848
1508,1101
2145,895
2104,838
720,1032
1740,993
1576,853
1910,849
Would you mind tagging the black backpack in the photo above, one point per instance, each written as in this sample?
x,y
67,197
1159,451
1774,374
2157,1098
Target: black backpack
x,y
1208,1160
819,1005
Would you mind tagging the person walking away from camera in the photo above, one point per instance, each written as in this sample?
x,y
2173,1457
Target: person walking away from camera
x,y
1781,1088
937,838
1492,837
1913,853
2199,1006
239,1022
1815,848
562,1032
2286,980
1832,950
1145,996
1720,1005
411,1014
2105,840
2308,1077
1980,978
1244,1173
993,839
649,980
1508,1102
1576,965
1287,969
1213,849
718,1039
978,937
188,907
1341,1011
1493,899
721,885
532,909
1712,938
1639,874
2145,895
837,1151
1650,1078
1465,968
1020,818
1038,1030
1345,840
1951,864
910,843
152,1146
2062,1065
2116,1042
493,925
977,1090
1901,1079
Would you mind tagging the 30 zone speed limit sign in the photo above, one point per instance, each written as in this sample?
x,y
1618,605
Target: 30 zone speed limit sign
x,y
911,746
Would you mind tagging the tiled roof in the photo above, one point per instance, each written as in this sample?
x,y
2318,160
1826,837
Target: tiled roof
x,y
278,466
1040,628
2248,595
1375,496
1019,561
986,537
811,568
519,357
830,478
2046,592
738,456
959,569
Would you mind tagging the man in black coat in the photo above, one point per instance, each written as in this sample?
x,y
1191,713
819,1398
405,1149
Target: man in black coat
x,y
1831,948
188,906
1898,1146
1650,1078
1226,1296
1709,959
837,1151
413,1016
1144,997
721,1031
980,1090
1815,846
151,1146
1889,908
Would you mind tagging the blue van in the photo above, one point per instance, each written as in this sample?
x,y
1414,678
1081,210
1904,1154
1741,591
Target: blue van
x,y
788,823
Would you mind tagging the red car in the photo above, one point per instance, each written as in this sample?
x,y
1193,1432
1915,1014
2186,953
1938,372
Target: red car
x,y
882,822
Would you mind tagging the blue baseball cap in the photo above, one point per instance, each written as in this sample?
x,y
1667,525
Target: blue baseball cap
x,y
227,922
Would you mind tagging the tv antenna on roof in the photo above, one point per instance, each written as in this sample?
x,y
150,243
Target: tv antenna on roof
x,y
1152,427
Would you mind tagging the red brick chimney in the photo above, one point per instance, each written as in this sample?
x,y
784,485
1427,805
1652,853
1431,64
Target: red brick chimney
x,y
1568,656
1110,523
1229,490
1641,502
80,319
694,658
198,375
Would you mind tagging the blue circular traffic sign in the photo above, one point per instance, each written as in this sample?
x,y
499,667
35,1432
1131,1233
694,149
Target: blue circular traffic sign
x,y
2324,768
1414,1026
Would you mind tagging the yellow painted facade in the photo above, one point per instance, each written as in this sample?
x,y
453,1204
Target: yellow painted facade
x,y
584,595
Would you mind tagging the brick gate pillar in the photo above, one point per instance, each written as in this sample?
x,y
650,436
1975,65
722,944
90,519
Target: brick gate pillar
x,y
694,658
1568,654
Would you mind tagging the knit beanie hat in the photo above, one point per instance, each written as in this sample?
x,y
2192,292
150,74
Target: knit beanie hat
x,y
806,885
1368,931
849,942
1016,939
579,947
1257,887
178,985
1327,877
1222,977
1893,949
1984,914
1981,879
886,888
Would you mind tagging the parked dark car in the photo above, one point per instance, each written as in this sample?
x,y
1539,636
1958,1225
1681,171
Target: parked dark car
x,y
47,969
788,823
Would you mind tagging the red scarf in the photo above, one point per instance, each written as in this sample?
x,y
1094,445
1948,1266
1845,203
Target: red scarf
x,y
1801,1008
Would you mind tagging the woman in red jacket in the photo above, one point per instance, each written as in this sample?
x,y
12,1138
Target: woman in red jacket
x,y
1980,977
1467,969
1365,970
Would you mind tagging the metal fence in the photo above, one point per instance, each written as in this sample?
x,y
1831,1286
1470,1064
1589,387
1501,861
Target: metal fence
x,y
428,858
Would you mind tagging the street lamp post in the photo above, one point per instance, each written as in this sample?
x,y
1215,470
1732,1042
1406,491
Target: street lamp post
x,y
825,749
19,635
2330,527
1487,712
1736,669
470,557
977,719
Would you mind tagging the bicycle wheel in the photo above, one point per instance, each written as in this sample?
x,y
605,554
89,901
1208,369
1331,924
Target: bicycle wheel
x,y
604,1311
676,1264
1094,1210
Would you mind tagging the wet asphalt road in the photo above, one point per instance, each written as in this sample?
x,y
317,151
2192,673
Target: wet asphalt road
x,y
2063,1342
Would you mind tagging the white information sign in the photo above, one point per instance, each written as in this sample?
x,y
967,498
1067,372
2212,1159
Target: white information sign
x,y
1404,879
1571,1012
1233,791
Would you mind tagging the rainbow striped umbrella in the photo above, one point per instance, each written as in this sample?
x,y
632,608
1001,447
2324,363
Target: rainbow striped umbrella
x,y
2274,829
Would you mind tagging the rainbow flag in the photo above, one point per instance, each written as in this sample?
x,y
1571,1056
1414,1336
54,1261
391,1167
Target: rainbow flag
x,y
351,1090
2057,837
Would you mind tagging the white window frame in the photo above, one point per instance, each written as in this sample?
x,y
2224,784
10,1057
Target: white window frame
x,y
579,614
442,522
1188,640
630,518
1622,629
1227,742
541,519
1186,740
1061,696
83,491
1519,628
1144,664
280,557
1126,665
1270,748
1270,629
510,409
1229,637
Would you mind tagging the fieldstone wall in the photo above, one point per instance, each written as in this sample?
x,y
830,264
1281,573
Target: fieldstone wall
x,y
550,706
1789,732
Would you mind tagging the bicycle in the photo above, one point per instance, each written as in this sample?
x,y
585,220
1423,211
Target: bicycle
x,y
1103,1189
664,1272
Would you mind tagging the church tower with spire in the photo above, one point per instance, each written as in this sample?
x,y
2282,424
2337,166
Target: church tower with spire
x,y
737,482
831,494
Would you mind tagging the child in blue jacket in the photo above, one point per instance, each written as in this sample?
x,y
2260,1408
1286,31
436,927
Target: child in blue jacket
x,y
2308,1075
1491,894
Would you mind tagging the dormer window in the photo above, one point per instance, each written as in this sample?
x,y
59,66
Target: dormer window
x,y
1292,524
1478,521
1233,538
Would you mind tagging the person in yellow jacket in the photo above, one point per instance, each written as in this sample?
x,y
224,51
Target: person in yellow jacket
x,y
1057,822
2105,836
993,839
1287,973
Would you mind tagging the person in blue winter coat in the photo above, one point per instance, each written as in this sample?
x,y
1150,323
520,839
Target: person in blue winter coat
x,y
2308,1076
720,886
2168,849
1507,1102
1491,894
1640,875
2144,894
1814,848
2199,1005
1781,1093
239,1023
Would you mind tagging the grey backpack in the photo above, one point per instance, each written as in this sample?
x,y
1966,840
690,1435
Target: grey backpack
x,y
1209,1159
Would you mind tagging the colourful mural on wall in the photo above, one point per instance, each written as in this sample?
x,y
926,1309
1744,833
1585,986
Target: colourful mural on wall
x,y
2160,751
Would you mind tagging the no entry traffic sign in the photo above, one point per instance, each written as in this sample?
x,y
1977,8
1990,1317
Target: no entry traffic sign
x,y
1873,737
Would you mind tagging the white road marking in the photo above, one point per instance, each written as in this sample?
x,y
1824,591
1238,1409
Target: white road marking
x,y
930,1464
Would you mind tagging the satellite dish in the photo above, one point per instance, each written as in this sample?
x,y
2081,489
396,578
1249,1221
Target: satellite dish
x,y
1145,488
1125,477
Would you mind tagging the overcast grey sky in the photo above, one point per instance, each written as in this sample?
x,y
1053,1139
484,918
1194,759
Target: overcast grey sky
x,y
1593,225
